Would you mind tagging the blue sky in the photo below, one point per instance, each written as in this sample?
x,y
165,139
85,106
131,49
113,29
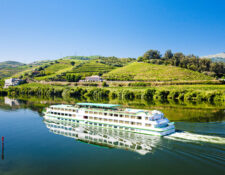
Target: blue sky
x,y
32,30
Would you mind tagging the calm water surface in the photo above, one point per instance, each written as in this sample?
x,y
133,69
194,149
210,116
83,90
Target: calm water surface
x,y
33,146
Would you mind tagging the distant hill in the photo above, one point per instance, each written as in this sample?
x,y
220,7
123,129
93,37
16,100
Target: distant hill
x,y
220,57
152,72
10,64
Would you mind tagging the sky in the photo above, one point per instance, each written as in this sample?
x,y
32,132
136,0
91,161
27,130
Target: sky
x,y
33,30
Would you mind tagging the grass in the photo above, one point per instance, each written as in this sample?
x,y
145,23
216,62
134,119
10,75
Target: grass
x,y
153,72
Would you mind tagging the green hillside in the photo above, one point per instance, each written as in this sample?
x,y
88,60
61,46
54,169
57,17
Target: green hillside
x,y
60,69
153,72
8,68
55,69
10,64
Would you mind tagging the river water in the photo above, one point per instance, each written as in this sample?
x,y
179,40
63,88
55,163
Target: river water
x,y
34,146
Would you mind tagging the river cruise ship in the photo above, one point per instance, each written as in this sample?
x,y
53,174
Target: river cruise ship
x,y
112,116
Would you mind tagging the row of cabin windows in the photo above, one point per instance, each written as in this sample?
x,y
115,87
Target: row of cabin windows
x,y
116,115
70,120
63,114
114,121
63,109
111,126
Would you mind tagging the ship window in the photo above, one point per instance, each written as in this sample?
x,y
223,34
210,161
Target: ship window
x,y
133,117
126,116
66,114
132,123
121,121
70,115
86,112
148,125
105,113
85,117
100,118
139,117
95,113
90,112
96,118
110,120
115,115
139,124
126,122
100,113
121,115
105,119
74,110
116,121
111,114
74,115
146,118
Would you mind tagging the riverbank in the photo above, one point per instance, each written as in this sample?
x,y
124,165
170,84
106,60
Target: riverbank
x,y
185,93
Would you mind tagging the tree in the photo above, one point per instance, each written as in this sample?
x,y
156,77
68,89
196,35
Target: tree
x,y
140,59
72,63
151,54
104,84
168,54
218,68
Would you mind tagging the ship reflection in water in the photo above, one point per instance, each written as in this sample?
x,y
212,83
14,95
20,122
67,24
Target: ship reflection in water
x,y
106,137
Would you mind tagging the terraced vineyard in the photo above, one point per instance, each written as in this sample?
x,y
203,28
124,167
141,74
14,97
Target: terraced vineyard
x,y
92,68
57,69
153,72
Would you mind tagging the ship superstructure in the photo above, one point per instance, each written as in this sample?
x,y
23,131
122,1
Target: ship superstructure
x,y
112,116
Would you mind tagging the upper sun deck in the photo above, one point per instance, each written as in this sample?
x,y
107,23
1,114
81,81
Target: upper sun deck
x,y
110,108
98,105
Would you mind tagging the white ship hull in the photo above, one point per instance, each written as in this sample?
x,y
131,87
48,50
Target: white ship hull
x,y
143,130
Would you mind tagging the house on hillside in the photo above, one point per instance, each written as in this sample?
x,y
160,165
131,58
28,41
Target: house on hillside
x,y
12,82
92,78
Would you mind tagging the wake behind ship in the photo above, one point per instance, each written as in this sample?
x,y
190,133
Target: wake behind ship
x,y
112,116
